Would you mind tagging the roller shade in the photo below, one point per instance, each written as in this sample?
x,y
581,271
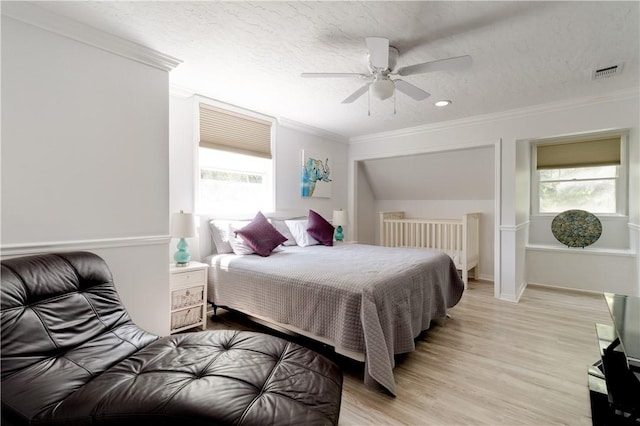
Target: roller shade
x,y
590,153
230,131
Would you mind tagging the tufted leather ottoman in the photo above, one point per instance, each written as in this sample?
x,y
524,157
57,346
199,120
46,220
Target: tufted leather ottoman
x,y
72,356
214,377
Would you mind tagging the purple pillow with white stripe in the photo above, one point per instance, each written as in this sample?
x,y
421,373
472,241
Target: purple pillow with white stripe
x,y
261,236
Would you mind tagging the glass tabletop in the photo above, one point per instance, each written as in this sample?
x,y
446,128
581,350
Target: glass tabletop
x,y
625,313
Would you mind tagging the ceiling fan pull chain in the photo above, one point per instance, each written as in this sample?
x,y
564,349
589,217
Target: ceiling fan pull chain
x,y
394,102
369,103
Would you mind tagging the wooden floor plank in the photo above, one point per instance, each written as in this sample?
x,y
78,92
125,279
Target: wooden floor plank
x,y
492,363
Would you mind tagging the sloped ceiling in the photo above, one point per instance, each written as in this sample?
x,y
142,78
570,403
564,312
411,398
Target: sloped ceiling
x,y
452,175
251,54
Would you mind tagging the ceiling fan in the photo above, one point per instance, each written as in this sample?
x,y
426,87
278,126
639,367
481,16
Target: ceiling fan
x,y
382,63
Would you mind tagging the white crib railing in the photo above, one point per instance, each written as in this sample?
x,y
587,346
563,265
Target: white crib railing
x,y
457,238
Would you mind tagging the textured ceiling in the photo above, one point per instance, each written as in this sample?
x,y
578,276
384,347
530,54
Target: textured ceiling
x,y
251,54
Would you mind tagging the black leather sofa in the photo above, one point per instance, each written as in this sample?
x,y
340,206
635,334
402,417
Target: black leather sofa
x,y
72,356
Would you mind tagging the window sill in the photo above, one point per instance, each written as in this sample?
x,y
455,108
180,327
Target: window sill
x,y
579,250
602,216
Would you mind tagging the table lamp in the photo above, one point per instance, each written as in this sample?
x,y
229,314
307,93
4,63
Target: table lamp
x,y
182,226
339,218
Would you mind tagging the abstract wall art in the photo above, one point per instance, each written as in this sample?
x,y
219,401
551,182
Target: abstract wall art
x,y
316,175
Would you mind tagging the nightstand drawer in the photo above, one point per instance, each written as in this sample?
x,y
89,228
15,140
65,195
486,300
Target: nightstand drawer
x,y
188,277
186,317
186,297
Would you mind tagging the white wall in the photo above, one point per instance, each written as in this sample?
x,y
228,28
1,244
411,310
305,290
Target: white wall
x,y
614,111
365,210
85,160
290,140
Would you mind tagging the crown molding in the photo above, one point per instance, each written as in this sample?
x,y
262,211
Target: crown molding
x,y
54,23
627,94
305,128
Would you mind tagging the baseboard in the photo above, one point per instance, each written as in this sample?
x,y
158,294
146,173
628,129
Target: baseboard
x,y
557,287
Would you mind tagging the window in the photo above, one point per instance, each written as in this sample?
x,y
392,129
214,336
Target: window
x,y
235,166
586,188
586,174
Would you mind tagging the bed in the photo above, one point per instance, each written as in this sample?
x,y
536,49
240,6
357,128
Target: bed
x,y
368,302
458,238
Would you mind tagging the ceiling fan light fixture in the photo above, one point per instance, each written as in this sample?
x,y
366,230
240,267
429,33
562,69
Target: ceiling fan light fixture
x,y
382,89
443,103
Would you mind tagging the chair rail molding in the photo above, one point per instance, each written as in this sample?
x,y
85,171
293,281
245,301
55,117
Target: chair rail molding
x,y
22,249
514,228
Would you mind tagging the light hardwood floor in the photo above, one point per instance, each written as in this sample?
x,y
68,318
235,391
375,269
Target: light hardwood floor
x,y
492,363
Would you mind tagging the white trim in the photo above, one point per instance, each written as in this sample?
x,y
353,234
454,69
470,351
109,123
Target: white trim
x,y
22,249
577,250
557,287
634,226
523,287
484,277
516,298
300,127
499,116
497,215
514,228
61,25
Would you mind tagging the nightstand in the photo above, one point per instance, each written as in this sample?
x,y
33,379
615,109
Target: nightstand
x,y
188,304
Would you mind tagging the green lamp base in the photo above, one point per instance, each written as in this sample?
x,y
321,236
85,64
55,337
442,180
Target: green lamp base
x,y
339,234
182,256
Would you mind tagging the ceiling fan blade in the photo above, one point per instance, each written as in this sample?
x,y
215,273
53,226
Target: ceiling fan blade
x,y
410,90
439,65
331,74
378,52
355,95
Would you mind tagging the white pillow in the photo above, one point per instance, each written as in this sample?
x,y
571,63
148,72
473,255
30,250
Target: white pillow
x,y
237,243
220,233
298,229
282,228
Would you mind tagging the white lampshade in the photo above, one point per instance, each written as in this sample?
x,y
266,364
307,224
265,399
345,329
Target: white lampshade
x,y
382,89
340,218
183,225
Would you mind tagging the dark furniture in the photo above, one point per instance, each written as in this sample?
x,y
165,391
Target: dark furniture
x,y
614,381
72,355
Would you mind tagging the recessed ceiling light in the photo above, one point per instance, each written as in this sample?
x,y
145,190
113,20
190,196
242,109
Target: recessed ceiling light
x,y
442,103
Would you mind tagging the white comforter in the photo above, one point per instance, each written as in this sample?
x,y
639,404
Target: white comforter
x,y
367,299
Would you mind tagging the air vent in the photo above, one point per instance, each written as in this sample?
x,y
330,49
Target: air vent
x,y
607,71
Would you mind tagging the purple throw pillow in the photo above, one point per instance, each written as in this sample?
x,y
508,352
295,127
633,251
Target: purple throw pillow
x,y
261,236
320,229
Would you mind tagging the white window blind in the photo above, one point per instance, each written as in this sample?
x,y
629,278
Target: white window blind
x,y
588,153
230,131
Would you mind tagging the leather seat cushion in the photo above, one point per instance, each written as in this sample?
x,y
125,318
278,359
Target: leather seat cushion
x,y
219,377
